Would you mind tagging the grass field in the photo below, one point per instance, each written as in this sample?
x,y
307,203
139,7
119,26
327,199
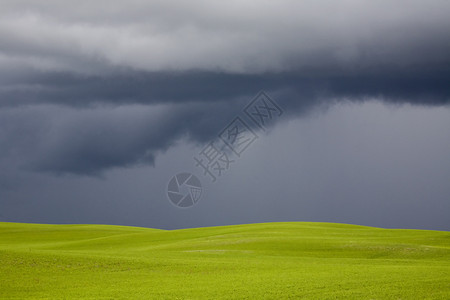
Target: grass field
x,y
257,261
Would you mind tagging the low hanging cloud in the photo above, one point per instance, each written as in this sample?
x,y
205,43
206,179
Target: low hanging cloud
x,y
88,141
106,85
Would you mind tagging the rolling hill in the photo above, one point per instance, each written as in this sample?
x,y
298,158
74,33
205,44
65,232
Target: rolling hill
x,y
255,261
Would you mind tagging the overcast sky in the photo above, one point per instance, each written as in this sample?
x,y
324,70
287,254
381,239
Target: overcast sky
x,y
102,102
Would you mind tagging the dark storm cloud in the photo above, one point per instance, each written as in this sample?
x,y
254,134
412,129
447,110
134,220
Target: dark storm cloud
x,y
90,140
418,84
107,85
63,140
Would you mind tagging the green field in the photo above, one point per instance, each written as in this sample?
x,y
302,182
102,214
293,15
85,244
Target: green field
x,y
257,261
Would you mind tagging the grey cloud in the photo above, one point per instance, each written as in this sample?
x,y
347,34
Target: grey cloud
x,y
421,84
88,124
62,140
91,89
100,87
258,36
156,52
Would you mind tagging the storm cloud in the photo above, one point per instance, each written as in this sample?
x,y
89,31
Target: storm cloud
x,y
105,86
245,37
